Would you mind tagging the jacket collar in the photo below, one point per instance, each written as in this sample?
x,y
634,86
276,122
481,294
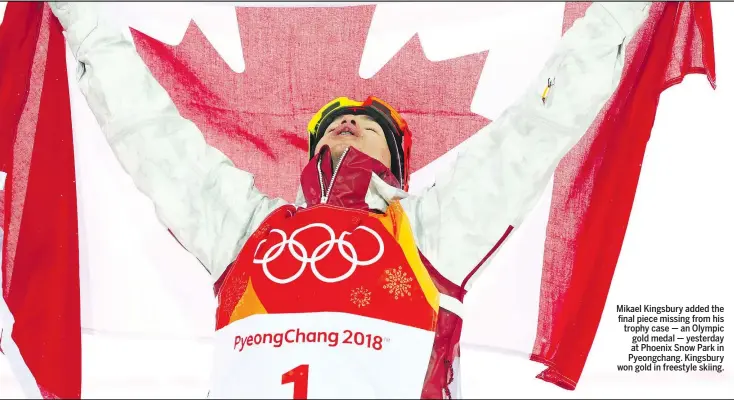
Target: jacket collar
x,y
358,181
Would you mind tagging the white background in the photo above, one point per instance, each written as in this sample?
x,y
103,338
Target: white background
x,y
147,304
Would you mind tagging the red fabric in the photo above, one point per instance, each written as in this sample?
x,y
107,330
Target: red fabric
x,y
439,374
595,184
40,263
352,181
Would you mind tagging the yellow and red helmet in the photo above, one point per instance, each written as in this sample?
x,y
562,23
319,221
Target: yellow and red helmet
x,y
397,134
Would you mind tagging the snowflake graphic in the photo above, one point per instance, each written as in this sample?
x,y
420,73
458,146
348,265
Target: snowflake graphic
x,y
361,297
398,282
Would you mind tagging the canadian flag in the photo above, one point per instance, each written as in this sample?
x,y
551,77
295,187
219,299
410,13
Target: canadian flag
x,y
82,251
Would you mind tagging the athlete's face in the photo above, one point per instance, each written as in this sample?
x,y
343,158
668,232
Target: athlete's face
x,y
358,131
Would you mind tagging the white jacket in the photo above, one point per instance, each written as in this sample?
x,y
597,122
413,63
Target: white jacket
x,y
212,207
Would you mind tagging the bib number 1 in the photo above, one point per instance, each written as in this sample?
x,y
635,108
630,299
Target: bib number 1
x,y
298,376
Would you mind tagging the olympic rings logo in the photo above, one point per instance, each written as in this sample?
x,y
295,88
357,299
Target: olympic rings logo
x,y
298,251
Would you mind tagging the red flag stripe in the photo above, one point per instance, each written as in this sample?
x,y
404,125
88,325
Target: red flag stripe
x,y
40,252
595,184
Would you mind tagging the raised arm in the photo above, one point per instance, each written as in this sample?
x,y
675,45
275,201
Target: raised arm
x,y
210,206
494,184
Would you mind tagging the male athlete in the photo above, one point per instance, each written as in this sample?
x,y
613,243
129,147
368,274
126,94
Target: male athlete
x,y
356,289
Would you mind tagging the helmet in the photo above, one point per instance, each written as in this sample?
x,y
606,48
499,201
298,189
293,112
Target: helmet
x,y
396,130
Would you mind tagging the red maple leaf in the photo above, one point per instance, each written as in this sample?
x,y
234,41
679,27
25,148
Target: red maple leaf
x,y
297,60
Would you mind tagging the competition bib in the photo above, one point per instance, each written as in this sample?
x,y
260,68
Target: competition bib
x,y
326,303
320,355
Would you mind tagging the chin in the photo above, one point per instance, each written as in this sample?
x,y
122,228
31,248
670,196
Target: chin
x,y
338,148
337,152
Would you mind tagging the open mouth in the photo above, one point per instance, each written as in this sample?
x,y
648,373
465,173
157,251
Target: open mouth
x,y
345,130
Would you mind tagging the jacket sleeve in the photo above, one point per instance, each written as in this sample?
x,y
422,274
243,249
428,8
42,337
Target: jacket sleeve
x,y
473,206
208,204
